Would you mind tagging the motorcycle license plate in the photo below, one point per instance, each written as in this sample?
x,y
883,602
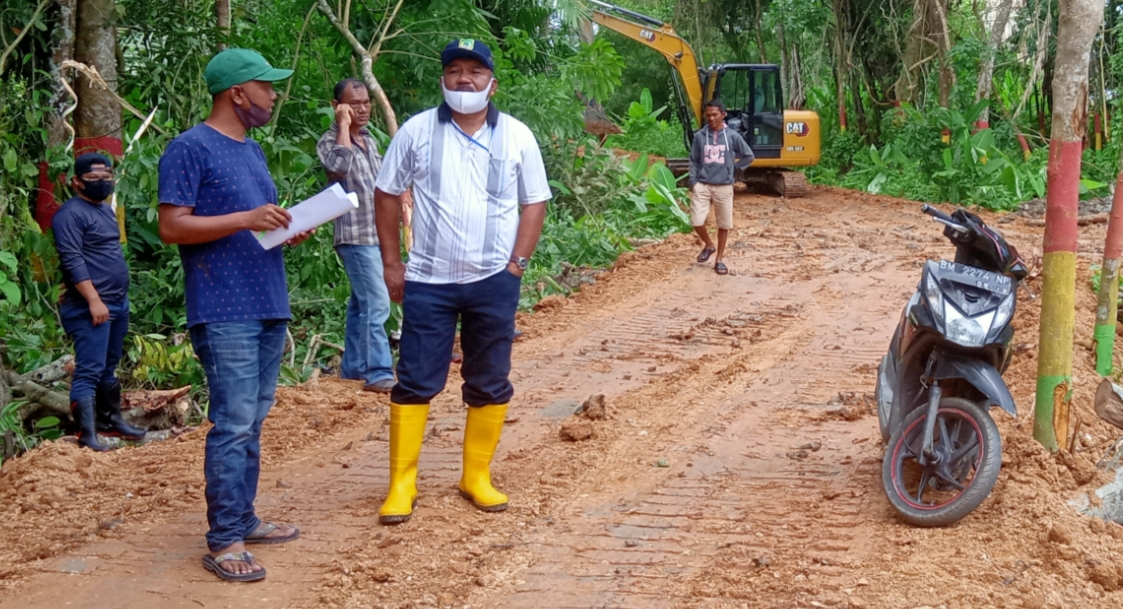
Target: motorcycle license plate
x,y
969,275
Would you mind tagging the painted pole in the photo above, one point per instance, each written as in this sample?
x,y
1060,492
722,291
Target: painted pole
x,y
1106,307
1078,22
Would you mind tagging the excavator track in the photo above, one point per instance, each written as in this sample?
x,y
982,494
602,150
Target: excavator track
x,y
787,184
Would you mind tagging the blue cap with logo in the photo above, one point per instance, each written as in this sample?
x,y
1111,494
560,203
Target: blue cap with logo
x,y
467,48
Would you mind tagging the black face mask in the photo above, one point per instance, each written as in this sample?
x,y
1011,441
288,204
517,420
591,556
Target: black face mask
x,y
97,190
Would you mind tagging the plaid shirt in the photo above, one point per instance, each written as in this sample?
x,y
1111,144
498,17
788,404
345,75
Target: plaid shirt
x,y
356,170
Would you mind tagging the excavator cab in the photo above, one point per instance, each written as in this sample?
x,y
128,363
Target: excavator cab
x,y
754,99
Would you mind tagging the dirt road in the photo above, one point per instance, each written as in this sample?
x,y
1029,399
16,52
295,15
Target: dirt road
x,y
739,465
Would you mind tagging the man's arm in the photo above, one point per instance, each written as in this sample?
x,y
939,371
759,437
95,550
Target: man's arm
x,y
531,219
387,217
695,161
337,153
180,226
745,154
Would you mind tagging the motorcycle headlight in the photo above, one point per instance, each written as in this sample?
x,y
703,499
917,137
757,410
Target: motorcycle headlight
x,y
967,331
1004,312
935,298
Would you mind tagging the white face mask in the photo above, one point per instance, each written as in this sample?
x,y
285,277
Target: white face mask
x,y
466,102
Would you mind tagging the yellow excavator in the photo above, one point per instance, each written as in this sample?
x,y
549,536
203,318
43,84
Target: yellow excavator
x,y
752,94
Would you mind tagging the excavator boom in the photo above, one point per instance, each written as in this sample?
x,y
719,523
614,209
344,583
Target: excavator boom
x,y
662,38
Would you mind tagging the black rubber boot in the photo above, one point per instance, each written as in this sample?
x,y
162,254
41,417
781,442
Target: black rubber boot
x,y
84,414
110,421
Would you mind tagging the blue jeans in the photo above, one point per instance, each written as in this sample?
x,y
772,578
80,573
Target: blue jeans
x,y
241,360
97,349
486,310
366,349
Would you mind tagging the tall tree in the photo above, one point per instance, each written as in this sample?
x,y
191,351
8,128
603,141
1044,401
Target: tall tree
x,y
986,63
222,19
1077,25
368,54
58,133
98,118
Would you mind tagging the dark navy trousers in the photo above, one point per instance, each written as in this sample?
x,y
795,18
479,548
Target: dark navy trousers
x,y
486,311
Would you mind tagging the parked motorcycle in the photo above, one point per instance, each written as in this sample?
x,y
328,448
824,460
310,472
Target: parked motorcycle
x,y
943,374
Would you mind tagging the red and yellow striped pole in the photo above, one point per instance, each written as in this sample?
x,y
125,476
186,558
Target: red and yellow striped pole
x,y
1077,25
1106,307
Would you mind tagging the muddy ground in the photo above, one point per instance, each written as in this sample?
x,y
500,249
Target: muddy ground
x,y
738,466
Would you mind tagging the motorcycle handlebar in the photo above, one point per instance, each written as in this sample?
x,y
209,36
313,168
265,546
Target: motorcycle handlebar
x,y
943,218
935,213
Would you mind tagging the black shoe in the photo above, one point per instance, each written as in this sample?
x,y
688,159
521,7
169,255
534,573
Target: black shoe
x,y
110,421
84,415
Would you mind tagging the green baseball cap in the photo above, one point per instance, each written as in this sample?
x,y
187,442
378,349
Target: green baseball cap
x,y
236,66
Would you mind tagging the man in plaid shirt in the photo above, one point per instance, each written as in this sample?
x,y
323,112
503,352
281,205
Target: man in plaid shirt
x,y
350,156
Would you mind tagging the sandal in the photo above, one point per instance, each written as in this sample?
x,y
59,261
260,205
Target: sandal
x,y
214,563
261,534
706,253
721,269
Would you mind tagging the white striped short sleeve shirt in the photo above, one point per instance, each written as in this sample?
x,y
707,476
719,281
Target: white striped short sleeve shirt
x,y
467,189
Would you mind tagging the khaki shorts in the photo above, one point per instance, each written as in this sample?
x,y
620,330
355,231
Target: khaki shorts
x,y
720,195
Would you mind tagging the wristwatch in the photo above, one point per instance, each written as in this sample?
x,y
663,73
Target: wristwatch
x,y
520,262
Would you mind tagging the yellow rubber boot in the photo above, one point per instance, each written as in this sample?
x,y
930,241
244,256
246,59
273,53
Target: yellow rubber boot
x,y
481,436
407,430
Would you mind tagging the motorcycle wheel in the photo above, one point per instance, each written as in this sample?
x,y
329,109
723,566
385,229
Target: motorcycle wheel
x,y
883,405
969,456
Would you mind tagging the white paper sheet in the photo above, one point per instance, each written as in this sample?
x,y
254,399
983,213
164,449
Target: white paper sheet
x,y
325,206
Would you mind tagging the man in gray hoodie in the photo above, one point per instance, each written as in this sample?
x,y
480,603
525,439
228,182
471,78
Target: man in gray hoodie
x,y
715,152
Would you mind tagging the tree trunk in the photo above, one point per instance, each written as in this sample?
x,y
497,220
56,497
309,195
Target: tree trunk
x,y
840,55
986,65
789,70
759,34
366,62
62,43
98,118
1106,306
1078,22
918,51
947,71
699,43
222,17
796,97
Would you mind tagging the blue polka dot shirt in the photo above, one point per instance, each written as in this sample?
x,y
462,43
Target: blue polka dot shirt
x,y
233,278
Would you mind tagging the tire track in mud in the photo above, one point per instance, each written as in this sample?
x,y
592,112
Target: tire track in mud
x,y
765,476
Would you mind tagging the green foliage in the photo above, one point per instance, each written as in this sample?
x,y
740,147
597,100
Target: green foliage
x,y
971,168
644,131
602,202
157,362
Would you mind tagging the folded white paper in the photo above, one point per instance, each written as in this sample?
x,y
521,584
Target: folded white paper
x,y
325,206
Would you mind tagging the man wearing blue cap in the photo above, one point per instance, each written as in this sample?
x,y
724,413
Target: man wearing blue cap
x,y
479,190
215,192
95,306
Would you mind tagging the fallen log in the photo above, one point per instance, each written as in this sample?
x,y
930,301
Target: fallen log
x,y
38,397
54,371
157,409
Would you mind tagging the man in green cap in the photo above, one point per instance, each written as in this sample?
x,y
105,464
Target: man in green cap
x,y
215,193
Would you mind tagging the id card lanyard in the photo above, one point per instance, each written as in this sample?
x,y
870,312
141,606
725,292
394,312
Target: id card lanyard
x,y
490,139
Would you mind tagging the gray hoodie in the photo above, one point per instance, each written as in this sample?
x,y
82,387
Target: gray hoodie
x,y
712,154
